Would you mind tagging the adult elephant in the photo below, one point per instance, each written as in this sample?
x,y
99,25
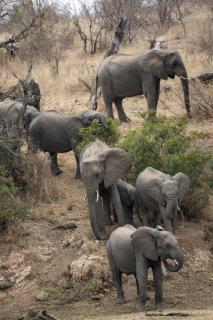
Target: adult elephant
x,y
55,133
122,76
161,193
134,251
101,167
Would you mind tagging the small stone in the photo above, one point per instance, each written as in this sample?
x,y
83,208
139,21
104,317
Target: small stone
x,y
5,283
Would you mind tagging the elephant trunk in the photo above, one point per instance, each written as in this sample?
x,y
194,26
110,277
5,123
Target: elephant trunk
x,y
169,214
174,262
96,213
185,85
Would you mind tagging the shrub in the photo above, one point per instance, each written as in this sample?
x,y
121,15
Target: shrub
x,y
11,178
165,145
110,135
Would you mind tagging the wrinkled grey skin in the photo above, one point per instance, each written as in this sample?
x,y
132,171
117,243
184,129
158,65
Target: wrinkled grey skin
x,y
134,251
12,112
55,133
127,194
101,167
121,76
161,193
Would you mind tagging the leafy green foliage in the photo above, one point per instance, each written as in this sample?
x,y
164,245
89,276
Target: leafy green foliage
x,y
11,178
165,145
109,135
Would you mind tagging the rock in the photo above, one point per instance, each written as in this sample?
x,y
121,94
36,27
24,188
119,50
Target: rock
x,y
42,296
5,283
24,274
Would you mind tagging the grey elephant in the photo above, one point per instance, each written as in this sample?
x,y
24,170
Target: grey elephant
x,y
160,193
127,193
55,133
121,76
12,111
134,251
101,167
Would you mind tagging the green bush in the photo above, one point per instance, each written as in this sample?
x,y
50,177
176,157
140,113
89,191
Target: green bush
x,y
11,179
167,146
109,135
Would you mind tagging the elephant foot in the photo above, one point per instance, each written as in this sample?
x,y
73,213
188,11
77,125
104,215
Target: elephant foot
x,y
125,119
140,306
159,306
120,300
77,175
102,236
56,171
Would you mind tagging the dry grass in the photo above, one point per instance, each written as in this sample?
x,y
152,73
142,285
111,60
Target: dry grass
x,y
42,186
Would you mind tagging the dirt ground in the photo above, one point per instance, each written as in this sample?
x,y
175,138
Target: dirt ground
x,y
38,255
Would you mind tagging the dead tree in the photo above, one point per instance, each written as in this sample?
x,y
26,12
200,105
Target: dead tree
x,y
10,44
31,90
114,48
118,38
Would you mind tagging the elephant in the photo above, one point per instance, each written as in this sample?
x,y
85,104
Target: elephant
x,y
120,76
11,112
161,193
101,166
134,251
127,194
55,133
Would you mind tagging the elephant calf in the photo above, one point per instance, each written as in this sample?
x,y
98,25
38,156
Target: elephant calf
x,y
134,251
161,193
127,194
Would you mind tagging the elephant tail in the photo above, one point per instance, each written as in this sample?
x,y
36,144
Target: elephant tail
x,y
94,94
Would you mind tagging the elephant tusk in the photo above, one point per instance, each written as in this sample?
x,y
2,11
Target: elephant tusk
x,y
97,196
179,209
176,262
85,197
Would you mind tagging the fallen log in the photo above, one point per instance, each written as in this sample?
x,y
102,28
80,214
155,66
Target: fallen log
x,y
205,77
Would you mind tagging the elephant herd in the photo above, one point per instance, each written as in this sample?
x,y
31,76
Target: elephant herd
x,y
101,167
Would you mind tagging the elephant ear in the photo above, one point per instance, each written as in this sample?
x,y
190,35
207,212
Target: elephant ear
x,y
152,63
144,241
154,189
116,161
183,182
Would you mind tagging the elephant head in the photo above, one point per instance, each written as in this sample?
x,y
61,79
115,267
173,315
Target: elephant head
x,y
164,64
90,115
28,116
100,167
168,191
158,243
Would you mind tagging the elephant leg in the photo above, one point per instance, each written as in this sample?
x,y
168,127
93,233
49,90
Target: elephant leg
x,y
128,213
151,92
77,173
121,114
142,214
142,275
106,196
116,202
108,105
158,283
54,164
117,277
